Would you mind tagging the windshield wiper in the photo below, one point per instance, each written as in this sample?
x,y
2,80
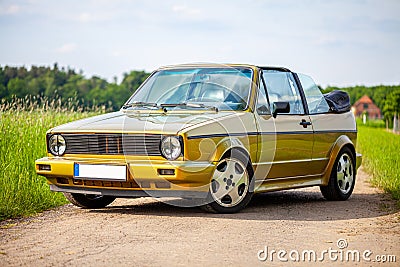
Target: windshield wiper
x,y
190,105
140,104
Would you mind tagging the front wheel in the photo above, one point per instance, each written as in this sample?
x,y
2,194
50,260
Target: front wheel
x,y
231,186
89,201
343,177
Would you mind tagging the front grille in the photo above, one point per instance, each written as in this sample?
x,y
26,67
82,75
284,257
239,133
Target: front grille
x,y
113,144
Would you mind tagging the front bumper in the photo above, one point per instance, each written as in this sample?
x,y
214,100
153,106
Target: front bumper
x,y
144,177
130,193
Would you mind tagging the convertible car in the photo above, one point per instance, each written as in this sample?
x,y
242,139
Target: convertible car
x,y
212,133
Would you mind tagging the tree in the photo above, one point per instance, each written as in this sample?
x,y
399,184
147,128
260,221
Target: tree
x,y
17,87
3,91
134,79
391,108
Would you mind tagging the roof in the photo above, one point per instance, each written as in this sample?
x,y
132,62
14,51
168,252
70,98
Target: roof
x,y
364,100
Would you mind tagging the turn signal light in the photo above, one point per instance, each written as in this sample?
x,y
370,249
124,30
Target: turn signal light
x,y
44,167
166,171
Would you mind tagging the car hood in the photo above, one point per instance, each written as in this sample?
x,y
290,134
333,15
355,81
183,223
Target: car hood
x,y
134,122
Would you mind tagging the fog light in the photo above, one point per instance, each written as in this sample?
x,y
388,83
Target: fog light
x,y
166,171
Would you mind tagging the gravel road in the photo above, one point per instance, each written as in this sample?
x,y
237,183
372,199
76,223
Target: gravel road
x,y
145,232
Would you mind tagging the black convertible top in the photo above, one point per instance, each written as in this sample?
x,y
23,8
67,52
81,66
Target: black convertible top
x,y
338,101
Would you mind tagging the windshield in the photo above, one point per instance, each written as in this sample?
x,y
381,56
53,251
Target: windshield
x,y
224,88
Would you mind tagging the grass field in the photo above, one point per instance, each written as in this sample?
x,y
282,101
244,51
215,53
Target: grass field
x,y
22,141
381,158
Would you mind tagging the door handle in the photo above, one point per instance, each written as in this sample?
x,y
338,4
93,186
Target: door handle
x,y
305,123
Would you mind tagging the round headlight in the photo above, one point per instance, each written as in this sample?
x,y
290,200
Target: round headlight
x,y
57,145
171,147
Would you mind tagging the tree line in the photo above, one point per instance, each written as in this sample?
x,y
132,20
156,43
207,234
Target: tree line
x,y
65,83
61,83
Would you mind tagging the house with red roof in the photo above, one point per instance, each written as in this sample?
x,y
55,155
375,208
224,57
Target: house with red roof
x,y
367,106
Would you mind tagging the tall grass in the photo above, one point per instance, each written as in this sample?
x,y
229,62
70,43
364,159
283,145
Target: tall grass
x,y
23,125
381,158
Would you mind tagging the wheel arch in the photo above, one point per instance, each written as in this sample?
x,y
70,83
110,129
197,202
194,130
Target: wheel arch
x,y
225,148
341,142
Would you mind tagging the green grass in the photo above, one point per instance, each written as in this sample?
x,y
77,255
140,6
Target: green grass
x,y
372,123
22,141
381,158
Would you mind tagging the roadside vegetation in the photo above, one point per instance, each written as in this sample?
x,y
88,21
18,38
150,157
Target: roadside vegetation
x,y
23,126
381,157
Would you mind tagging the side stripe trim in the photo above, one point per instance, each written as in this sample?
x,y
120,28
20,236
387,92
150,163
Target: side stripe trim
x,y
268,133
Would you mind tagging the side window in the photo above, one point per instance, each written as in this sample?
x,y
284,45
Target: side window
x,y
262,101
315,99
281,87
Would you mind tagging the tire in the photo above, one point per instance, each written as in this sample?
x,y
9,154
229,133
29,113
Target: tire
x,y
89,201
343,177
231,186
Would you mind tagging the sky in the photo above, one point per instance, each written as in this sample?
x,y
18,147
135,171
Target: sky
x,y
337,42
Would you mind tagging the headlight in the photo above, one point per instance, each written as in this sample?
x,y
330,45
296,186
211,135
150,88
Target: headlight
x,y
171,147
57,145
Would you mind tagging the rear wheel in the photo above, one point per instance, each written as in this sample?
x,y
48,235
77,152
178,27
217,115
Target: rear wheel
x,y
231,184
343,177
89,201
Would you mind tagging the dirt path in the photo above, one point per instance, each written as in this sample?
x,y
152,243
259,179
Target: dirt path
x,y
144,232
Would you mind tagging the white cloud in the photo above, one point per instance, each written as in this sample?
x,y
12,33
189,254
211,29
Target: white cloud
x,y
116,53
185,10
66,48
96,16
10,10
327,40
84,17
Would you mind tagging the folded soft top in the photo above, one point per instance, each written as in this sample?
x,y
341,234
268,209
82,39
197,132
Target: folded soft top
x,y
338,101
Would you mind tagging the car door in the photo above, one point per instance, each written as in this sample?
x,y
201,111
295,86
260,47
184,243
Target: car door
x,y
289,135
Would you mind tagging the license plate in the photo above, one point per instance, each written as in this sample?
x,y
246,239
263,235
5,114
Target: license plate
x,y
100,172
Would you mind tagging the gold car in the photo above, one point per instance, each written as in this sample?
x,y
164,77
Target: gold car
x,y
214,134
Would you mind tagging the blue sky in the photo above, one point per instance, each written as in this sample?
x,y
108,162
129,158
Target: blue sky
x,y
336,42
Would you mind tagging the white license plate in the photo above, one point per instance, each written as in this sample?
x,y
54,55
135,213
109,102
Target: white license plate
x,y
100,172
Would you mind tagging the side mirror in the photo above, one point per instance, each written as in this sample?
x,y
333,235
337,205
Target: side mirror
x,y
280,107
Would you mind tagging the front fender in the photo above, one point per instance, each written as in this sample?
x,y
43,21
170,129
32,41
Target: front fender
x,y
341,142
225,145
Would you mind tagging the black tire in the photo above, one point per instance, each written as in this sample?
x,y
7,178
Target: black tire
x,y
341,188
244,189
89,201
